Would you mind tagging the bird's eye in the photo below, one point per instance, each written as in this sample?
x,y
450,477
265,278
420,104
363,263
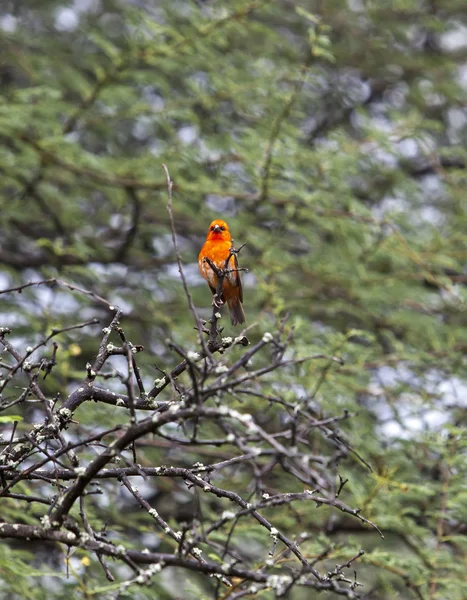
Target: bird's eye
x,y
212,228
222,228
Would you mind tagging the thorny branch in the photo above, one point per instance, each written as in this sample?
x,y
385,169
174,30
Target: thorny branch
x,y
201,405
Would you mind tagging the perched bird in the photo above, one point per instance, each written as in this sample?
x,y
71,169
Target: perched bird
x,y
217,248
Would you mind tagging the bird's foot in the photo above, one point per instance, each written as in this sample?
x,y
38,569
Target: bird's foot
x,y
217,302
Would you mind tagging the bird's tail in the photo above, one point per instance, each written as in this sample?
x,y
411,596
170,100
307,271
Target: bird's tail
x,y
237,314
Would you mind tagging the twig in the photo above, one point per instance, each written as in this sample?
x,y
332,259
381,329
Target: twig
x,y
180,267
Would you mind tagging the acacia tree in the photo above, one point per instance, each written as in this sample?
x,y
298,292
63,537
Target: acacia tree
x,y
331,136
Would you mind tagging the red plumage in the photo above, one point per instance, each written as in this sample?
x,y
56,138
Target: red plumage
x,y
217,248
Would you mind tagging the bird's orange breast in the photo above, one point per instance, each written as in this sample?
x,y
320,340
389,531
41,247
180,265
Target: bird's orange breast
x,y
217,251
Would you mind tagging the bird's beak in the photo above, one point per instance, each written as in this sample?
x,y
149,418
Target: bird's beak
x,y
216,228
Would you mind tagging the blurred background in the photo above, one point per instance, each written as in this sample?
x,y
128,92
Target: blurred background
x,y
331,136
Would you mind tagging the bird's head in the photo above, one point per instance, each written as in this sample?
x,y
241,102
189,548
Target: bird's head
x,y
219,230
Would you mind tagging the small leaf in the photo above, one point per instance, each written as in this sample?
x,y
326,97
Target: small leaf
x,y
10,418
307,15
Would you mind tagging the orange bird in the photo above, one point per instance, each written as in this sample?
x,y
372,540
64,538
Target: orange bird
x,y
217,249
